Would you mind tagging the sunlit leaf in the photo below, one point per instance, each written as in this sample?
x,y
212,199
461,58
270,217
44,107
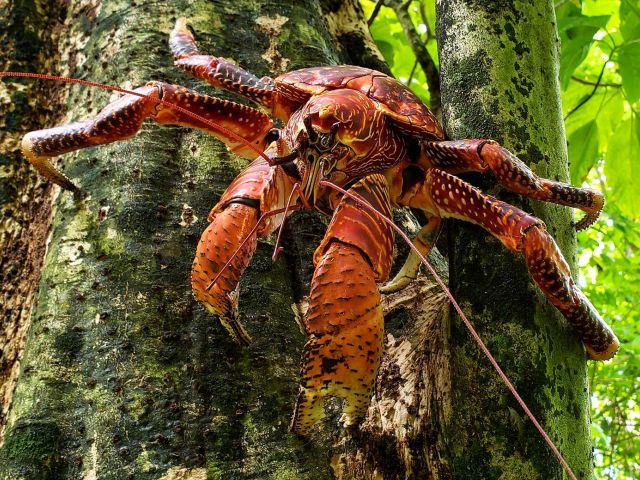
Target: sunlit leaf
x,y
576,34
629,62
600,7
609,116
622,166
583,151
630,19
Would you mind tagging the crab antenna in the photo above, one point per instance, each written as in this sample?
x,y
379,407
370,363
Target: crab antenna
x,y
362,202
165,103
248,237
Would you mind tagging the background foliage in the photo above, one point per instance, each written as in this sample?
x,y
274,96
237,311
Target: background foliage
x,y
600,82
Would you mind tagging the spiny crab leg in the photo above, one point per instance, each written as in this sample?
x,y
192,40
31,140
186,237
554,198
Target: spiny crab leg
x,y
44,165
458,156
363,203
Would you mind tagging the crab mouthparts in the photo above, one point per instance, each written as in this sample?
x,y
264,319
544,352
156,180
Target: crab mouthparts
x,y
314,173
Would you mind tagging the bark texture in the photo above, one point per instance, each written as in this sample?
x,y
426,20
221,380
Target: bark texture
x,y
30,35
499,66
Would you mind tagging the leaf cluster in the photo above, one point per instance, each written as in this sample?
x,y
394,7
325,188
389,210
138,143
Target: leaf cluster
x,y
600,80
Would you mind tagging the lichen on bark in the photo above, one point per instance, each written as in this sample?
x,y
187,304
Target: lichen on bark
x,y
499,66
29,34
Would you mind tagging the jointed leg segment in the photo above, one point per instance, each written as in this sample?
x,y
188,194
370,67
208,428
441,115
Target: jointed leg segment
x,y
216,70
217,244
344,319
118,121
345,326
123,118
424,242
523,233
483,155
258,189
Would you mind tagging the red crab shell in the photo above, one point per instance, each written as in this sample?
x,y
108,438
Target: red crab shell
x,y
396,101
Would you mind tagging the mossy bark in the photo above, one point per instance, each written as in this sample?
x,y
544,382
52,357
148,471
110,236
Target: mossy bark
x,y
29,34
499,66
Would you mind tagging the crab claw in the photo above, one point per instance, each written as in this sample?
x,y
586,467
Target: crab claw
x,y
592,212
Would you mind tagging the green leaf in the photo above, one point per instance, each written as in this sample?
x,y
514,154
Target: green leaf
x,y
576,35
622,166
579,24
630,19
583,151
610,116
387,52
629,63
600,7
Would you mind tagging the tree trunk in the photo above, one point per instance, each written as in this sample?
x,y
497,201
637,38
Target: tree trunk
x,y
124,375
499,66
29,41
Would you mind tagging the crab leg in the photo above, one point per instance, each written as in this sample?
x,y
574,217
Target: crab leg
x,y
482,155
218,71
451,197
344,319
424,241
259,188
122,119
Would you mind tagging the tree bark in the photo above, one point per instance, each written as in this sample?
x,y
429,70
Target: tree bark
x,y
124,375
499,66
30,36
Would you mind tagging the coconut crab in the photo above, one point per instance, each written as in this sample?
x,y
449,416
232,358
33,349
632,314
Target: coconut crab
x,y
360,130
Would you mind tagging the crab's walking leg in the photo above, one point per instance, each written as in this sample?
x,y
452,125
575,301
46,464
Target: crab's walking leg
x,y
424,241
482,155
218,71
122,119
344,318
258,189
521,232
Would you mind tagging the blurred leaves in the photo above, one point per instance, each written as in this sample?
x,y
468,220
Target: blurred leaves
x,y
600,83
576,34
393,45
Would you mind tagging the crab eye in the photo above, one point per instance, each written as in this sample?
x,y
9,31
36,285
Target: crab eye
x,y
311,157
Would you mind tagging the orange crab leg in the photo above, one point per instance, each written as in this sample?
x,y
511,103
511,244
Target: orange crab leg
x,y
230,240
424,241
216,246
219,72
450,196
344,319
122,119
459,156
